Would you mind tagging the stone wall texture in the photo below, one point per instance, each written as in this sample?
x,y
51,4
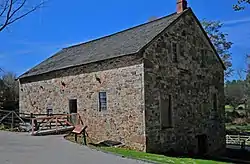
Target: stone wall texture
x,y
124,119
191,85
134,85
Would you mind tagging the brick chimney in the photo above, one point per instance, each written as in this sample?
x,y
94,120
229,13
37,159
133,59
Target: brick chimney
x,y
181,5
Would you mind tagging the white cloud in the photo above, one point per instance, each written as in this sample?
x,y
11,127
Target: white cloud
x,y
236,21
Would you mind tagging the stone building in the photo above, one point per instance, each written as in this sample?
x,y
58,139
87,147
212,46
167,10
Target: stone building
x,y
156,87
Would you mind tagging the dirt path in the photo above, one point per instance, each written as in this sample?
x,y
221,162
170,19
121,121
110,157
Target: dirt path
x,y
20,148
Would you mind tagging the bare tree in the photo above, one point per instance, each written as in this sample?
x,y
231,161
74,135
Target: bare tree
x,y
14,10
241,5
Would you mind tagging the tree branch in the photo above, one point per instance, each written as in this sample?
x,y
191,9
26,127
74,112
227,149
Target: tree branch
x,y
15,11
7,16
25,14
12,16
4,8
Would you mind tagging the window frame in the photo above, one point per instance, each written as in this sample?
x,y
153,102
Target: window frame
x,y
102,101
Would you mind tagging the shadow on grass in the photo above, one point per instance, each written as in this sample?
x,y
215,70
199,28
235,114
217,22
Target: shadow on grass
x,y
230,156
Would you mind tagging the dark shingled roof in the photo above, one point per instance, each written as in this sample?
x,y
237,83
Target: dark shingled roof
x,y
126,42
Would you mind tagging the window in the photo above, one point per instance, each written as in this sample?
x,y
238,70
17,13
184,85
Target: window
x,y
215,102
102,101
166,112
174,51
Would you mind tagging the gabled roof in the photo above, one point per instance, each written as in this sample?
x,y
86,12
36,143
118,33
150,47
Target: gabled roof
x,y
126,42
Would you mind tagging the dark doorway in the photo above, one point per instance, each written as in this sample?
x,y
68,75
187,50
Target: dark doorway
x,y
73,106
202,144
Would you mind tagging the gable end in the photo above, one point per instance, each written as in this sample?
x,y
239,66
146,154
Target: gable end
x,y
209,41
189,10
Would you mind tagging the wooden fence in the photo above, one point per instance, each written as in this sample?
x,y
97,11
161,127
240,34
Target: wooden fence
x,y
40,123
237,140
10,118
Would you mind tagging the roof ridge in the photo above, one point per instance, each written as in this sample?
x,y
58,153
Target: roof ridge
x,y
121,31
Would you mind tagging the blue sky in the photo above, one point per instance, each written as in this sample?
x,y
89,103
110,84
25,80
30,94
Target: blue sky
x,y
62,23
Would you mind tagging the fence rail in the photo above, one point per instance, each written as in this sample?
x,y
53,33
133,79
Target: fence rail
x,y
39,123
10,118
54,123
237,139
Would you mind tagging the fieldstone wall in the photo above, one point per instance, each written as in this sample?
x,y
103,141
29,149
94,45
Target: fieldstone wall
x,y
121,78
191,83
134,88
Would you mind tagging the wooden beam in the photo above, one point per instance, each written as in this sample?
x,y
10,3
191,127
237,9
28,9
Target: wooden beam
x,y
5,117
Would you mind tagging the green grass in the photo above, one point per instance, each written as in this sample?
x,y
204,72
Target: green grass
x,y
240,128
228,107
4,128
7,128
160,159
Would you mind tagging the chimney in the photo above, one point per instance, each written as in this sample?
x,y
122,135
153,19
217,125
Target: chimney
x,y
181,5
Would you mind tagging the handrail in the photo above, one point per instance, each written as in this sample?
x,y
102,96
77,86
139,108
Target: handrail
x,y
237,139
58,119
35,114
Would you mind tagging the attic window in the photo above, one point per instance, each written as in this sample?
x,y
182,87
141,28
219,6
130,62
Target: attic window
x,y
174,51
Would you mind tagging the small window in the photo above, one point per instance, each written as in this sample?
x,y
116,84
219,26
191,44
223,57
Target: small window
x,y
102,101
215,102
166,112
174,51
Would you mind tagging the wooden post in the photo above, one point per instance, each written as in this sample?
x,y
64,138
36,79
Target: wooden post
x,y
76,137
84,141
56,125
32,126
50,125
12,121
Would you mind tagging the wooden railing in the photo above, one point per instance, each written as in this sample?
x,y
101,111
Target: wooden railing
x,y
54,123
10,118
237,139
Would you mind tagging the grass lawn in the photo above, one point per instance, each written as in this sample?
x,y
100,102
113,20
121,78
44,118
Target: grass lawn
x,y
4,128
160,159
239,128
